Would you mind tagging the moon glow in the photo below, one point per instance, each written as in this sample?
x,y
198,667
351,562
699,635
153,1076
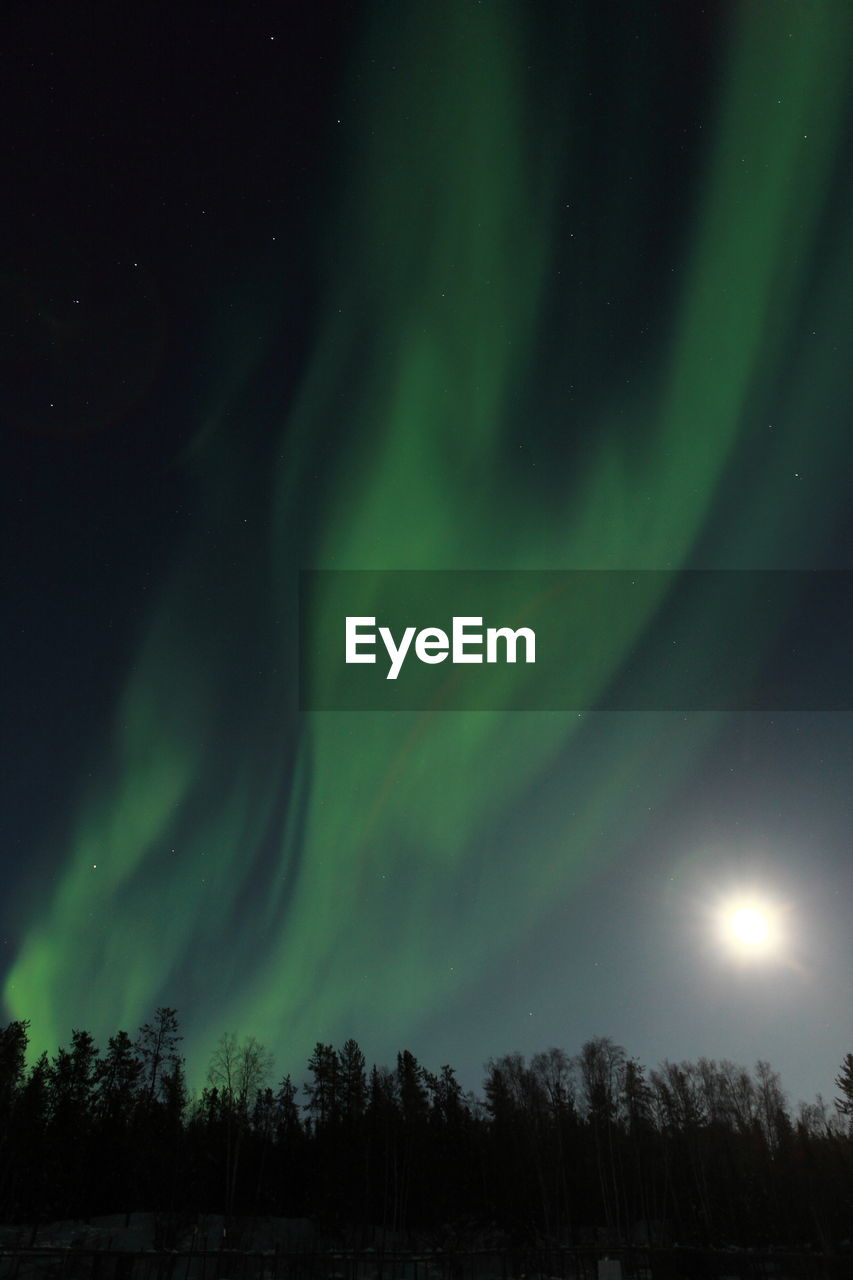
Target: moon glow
x,y
749,927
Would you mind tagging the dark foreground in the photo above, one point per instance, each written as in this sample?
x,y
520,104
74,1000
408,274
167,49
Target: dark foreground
x,y
633,1263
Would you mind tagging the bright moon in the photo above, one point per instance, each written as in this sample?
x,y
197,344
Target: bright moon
x,y
749,926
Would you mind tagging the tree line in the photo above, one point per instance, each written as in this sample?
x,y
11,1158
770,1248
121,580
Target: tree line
x,y
563,1148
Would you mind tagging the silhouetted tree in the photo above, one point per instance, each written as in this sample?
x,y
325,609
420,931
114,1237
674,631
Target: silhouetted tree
x,y
117,1082
844,1082
36,1194
290,1152
157,1047
352,1070
601,1064
13,1052
383,1118
323,1089
71,1088
238,1070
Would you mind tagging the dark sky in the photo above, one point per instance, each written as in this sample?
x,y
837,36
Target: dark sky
x,y
458,286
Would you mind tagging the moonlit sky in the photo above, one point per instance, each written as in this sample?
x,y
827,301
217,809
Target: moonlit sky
x,y
448,286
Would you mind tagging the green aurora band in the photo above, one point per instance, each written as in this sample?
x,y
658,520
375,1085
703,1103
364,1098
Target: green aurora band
x,y
313,876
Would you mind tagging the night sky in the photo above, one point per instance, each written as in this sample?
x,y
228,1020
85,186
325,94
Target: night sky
x,y
445,286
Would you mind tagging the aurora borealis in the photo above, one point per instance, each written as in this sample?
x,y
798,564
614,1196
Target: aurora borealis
x,y
453,286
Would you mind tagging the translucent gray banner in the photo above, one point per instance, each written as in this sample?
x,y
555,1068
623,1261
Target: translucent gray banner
x,y
576,640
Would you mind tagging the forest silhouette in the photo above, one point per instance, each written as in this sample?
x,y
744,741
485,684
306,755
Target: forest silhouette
x,y
570,1149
